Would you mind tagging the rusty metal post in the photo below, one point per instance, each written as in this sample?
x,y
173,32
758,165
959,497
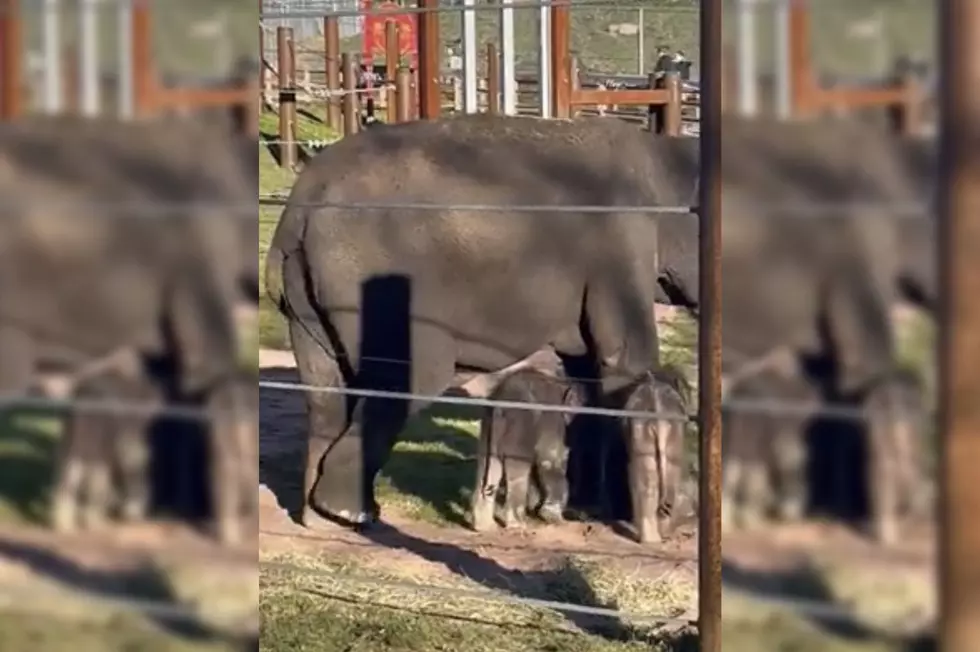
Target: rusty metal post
x,y
144,84
959,324
709,330
493,80
428,69
403,98
331,43
391,68
287,98
560,60
11,49
351,109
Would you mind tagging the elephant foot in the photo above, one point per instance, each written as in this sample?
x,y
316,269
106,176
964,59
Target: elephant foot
x,y
514,517
482,519
791,511
885,531
551,513
94,519
338,494
133,511
64,514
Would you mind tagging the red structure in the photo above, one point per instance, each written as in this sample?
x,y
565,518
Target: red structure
x,y
374,33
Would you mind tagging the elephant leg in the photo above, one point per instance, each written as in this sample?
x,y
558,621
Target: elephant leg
x,y
757,495
327,423
550,472
132,450
789,468
671,446
227,460
888,432
489,473
517,473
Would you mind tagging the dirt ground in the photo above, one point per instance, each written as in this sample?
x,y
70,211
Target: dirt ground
x,y
754,563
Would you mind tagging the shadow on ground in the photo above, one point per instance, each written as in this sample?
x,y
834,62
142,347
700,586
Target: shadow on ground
x,y
433,463
144,582
28,445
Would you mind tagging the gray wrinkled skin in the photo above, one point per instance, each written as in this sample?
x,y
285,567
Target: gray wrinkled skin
x,y
458,290
764,454
80,282
818,287
521,446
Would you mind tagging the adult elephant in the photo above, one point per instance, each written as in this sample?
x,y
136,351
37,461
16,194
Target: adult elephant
x,y
86,275
811,293
400,299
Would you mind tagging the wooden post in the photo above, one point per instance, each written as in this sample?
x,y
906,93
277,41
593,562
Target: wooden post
x,y
144,84
331,66
560,61
287,98
428,68
11,50
261,52
906,115
349,77
802,80
672,109
574,84
654,117
69,78
493,80
403,99
391,68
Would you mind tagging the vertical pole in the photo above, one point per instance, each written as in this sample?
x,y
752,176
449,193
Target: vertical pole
x,y
508,73
784,80
709,330
747,68
640,43
124,27
544,62
287,98
262,70
352,117
800,72
428,68
144,84
52,56
470,81
331,42
560,60
959,323
88,56
493,80
11,48
403,94
391,69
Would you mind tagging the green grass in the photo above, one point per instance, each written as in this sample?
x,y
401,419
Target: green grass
x,y
27,448
322,607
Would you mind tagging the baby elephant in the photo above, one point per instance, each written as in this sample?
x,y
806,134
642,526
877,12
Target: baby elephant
x,y
104,454
764,453
656,451
516,442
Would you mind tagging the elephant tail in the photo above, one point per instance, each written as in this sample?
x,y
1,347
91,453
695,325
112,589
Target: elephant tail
x,y
274,260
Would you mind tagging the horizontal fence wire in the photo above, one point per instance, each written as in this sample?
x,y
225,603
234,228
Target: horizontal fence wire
x,y
787,210
771,407
267,15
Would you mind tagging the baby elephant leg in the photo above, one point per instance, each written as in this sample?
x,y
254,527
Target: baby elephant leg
x,y
517,472
489,475
554,486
